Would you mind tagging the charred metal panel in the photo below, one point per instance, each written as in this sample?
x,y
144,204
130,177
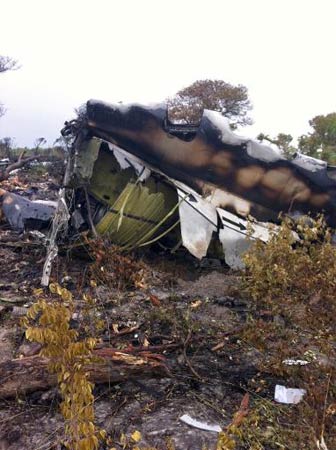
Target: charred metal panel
x,y
217,159
22,213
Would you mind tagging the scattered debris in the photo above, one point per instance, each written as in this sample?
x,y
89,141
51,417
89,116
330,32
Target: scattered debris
x,y
288,395
321,445
295,362
198,424
136,180
23,214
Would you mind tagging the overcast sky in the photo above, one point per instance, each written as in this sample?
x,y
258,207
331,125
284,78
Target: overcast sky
x,y
144,51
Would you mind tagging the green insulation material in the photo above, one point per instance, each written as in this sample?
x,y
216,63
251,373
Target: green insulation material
x,y
137,211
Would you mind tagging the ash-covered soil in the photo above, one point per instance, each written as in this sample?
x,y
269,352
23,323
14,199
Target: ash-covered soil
x,y
208,386
188,313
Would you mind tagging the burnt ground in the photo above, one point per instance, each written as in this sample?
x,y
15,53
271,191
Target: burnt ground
x,y
197,301
198,308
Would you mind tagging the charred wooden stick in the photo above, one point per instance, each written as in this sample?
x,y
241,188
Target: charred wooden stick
x,y
24,375
141,349
193,371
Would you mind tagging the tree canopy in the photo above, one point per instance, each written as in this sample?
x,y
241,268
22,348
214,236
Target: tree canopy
x,y
231,101
283,141
320,143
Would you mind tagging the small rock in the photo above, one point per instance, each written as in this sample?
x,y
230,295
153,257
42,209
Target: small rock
x,y
29,348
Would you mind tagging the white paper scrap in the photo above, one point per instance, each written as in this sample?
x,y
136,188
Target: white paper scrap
x,y
295,362
290,396
198,424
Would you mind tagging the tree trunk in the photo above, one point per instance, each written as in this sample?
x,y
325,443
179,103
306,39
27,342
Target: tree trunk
x,y
24,375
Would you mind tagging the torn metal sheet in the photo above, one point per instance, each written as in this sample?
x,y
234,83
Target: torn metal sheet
x,y
233,236
23,214
126,160
198,220
200,424
234,245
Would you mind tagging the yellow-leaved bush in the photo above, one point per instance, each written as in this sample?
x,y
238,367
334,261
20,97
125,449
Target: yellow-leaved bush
x,y
48,323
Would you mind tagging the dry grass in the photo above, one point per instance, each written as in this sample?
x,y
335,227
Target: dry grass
x,y
292,284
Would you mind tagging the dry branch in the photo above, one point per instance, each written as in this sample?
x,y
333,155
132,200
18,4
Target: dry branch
x,y
23,375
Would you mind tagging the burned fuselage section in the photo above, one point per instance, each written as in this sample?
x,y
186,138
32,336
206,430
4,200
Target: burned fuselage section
x,y
215,158
137,178
143,177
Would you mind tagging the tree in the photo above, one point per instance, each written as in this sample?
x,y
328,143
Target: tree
x,y
62,142
38,143
6,64
231,101
283,141
321,142
6,144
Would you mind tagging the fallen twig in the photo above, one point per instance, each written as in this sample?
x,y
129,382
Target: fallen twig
x,y
222,344
141,349
185,346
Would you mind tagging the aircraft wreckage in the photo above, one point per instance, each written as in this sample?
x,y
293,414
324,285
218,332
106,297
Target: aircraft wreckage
x,y
135,177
